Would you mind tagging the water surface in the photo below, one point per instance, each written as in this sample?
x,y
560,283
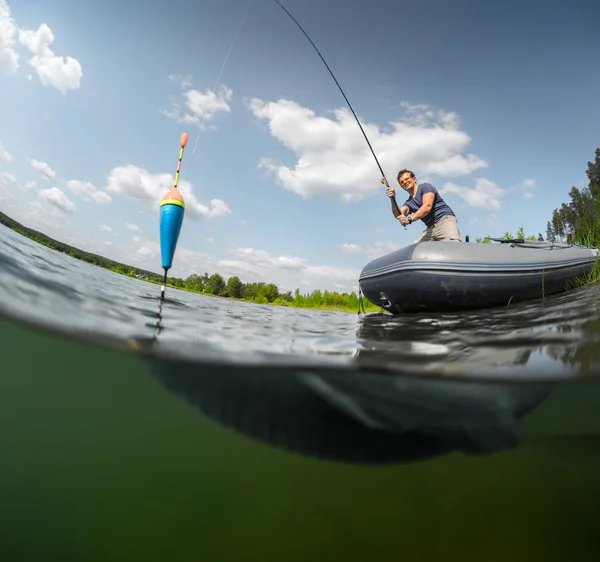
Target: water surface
x,y
255,432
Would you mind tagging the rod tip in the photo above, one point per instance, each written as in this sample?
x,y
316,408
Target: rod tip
x,y
184,139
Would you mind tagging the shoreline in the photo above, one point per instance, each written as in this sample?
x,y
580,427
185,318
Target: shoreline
x,y
284,300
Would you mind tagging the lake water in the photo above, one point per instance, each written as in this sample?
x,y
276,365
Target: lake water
x,y
251,432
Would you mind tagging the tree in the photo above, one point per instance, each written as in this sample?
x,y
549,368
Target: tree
x,y
270,292
216,284
593,174
235,286
579,220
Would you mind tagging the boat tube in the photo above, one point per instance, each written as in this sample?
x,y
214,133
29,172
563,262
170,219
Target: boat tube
x,y
450,276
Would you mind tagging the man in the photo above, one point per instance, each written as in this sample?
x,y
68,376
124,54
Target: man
x,y
425,203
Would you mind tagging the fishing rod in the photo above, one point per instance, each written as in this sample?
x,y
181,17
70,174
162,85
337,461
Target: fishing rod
x,y
383,180
172,209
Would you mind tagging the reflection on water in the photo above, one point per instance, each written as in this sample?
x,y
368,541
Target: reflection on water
x,y
556,338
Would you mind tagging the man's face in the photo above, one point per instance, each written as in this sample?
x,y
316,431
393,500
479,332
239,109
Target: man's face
x,y
406,181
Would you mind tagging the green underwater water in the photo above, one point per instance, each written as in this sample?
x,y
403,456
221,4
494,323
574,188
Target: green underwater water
x,y
100,463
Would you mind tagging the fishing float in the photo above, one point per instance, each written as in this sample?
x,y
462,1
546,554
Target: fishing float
x,y
172,210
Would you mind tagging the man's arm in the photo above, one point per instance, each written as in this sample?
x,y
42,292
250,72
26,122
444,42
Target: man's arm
x,y
404,210
428,199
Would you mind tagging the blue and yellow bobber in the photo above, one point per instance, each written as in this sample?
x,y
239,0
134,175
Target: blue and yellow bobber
x,y
172,208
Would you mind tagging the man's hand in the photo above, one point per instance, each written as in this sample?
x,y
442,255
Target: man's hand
x,y
390,192
403,220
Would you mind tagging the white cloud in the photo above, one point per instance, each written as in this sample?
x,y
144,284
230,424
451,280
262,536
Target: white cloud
x,y
287,272
251,265
63,73
7,179
201,106
30,185
105,228
8,32
209,239
373,251
57,198
146,253
4,155
140,185
485,195
32,214
46,171
133,227
333,157
527,187
262,259
88,192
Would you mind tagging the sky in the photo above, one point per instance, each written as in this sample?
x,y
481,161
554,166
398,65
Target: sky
x,y
495,104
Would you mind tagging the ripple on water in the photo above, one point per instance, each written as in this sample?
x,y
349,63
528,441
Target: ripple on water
x,y
559,334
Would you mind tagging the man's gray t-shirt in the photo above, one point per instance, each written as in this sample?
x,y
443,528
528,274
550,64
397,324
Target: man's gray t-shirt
x,y
439,209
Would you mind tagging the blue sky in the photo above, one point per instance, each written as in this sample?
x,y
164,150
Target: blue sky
x,y
496,104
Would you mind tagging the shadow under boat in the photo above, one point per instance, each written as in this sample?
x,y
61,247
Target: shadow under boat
x,y
355,415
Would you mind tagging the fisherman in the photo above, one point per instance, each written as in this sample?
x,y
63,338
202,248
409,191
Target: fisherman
x,y
425,203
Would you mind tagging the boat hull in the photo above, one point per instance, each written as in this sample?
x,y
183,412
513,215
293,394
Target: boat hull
x,y
450,276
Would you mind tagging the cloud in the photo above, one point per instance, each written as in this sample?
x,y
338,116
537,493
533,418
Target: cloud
x,y
333,158
485,195
249,264
201,105
287,272
4,155
140,185
30,185
88,192
46,171
62,73
371,251
527,188
7,179
133,227
8,32
104,228
262,259
57,198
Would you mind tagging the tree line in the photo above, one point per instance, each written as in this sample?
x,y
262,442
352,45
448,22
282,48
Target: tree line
x,y
575,222
578,221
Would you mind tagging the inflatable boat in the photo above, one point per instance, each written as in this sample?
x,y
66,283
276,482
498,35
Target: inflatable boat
x,y
451,276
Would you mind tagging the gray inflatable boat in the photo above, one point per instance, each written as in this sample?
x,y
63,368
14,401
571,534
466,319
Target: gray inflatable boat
x,y
450,276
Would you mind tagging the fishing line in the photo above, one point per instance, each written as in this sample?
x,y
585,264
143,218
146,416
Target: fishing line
x,y
383,179
219,79
172,210
172,207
